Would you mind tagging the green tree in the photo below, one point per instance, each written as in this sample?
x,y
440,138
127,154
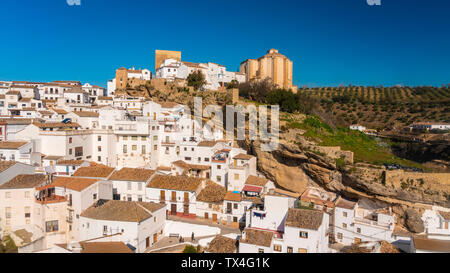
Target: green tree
x,y
196,79
190,249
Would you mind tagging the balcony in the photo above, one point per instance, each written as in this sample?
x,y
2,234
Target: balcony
x,y
369,222
69,220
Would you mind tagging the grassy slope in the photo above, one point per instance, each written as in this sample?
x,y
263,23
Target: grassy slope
x,y
365,149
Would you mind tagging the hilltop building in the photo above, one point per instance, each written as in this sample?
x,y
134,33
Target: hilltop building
x,y
274,66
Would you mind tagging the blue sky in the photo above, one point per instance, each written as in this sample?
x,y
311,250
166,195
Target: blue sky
x,y
331,42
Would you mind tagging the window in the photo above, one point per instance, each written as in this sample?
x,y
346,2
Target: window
x,y
358,230
78,151
219,167
105,230
339,236
134,147
129,186
155,147
206,159
144,149
52,226
219,178
235,206
277,248
290,249
94,196
8,213
129,198
134,138
139,198
99,148
235,219
236,176
185,149
344,225
70,151
144,138
99,138
125,138
99,158
27,212
125,150
7,195
155,138
345,214
303,235
192,149
70,140
187,158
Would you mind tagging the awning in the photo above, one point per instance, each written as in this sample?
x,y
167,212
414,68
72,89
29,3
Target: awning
x,y
252,188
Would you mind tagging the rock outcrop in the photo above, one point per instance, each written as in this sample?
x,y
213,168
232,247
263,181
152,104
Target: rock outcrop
x,y
413,221
294,168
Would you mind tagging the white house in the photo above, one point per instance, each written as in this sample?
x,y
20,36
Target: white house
x,y
130,184
210,202
420,244
362,221
256,241
437,223
357,127
11,169
178,192
140,224
305,231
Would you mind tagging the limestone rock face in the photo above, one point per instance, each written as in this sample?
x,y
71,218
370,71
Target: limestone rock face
x,y
413,221
294,168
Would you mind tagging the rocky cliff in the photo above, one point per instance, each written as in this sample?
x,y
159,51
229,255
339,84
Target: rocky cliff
x,y
294,168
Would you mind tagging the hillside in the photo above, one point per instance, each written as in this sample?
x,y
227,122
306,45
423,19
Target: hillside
x,y
382,107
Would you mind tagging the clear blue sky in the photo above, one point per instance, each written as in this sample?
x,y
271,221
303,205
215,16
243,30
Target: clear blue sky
x,y
330,41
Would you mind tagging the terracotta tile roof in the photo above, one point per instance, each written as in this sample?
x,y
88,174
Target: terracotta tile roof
x,y
86,114
231,196
345,204
243,157
221,244
56,125
122,211
164,168
104,98
25,181
445,215
2,97
130,174
69,162
104,247
28,109
252,188
188,166
256,181
207,144
76,184
53,157
15,121
47,113
181,183
97,170
13,93
60,111
4,165
11,145
304,218
212,193
168,104
431,244
257,237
